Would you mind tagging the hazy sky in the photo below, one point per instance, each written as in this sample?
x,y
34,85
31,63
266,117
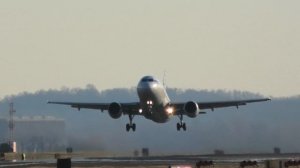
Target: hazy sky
x,y
249,45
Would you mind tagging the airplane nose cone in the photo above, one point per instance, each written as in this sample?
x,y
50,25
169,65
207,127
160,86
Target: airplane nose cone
x,y
147,87
148,84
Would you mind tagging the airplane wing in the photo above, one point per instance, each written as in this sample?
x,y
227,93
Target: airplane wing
x,y
127,108
220,104
237,103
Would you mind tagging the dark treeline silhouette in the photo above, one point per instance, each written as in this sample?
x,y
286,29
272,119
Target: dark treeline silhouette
x,y
253,128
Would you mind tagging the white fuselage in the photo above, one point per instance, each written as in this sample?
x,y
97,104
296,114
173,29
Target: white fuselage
x,y
154,100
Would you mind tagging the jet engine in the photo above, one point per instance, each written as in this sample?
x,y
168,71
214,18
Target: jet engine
x,y
191,109
115,110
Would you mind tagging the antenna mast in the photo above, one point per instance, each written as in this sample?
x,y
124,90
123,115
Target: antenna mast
x,y
164,79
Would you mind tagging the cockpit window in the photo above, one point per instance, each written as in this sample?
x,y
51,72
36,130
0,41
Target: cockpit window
x,y
145,79
148,79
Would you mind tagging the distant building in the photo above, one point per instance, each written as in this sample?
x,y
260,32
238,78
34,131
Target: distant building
x,y
277,150
36,134
145,152
219,152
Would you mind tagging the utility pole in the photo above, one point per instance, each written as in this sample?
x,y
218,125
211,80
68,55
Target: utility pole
x,y
11,126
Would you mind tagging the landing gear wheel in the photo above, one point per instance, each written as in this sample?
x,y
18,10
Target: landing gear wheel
x,y
133,127
184,126
130,125
178,127
181,124
127,127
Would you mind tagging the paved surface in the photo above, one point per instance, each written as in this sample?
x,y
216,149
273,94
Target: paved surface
x,y
222,161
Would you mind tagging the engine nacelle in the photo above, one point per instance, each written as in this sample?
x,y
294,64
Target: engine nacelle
x,y
191,109
115,110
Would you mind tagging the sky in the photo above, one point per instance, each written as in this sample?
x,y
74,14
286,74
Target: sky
x,y
233,45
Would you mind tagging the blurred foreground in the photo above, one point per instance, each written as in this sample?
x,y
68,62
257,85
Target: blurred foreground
x,y
102,160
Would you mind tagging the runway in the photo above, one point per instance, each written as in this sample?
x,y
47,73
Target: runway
x,y
221,161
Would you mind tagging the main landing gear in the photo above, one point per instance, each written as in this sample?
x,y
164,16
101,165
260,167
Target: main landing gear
x,y
181,124
130,125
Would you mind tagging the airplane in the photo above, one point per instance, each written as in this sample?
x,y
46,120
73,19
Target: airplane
x,y
154,104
